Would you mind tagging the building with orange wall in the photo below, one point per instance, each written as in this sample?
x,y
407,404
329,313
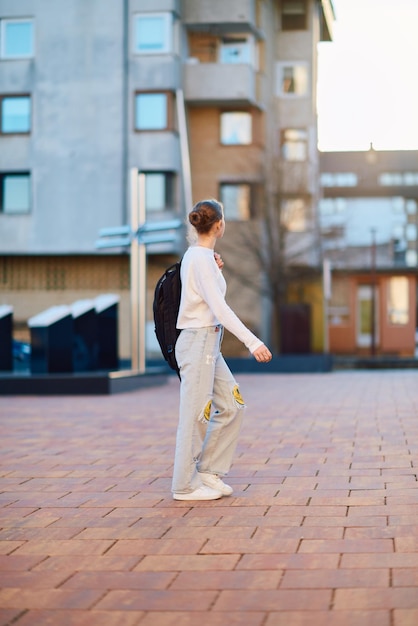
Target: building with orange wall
x,y
368,215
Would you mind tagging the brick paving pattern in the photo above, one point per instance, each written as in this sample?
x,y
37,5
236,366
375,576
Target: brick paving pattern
x,y
322,528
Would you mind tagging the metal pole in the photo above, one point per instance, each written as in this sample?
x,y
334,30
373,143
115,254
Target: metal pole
x,y
184,152
134,277
121,236
142,277
326,280
373,303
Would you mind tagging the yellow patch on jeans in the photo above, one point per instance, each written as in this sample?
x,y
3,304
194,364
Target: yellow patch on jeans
x,y
239,400
206,412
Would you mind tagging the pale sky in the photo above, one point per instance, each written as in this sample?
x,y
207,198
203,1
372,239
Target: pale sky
x,y
368,77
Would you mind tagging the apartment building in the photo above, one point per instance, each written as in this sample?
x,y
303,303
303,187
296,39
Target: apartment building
x,y
205,98
368,216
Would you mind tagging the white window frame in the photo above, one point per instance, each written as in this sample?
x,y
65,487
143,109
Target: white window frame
x,y
168,32
3,24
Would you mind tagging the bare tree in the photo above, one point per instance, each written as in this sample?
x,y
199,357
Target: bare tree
x,y
283,239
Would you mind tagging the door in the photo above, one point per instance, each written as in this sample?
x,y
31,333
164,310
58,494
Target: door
x,y
364,320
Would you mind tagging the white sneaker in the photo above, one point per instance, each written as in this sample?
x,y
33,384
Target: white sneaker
x,y
215,482
201,493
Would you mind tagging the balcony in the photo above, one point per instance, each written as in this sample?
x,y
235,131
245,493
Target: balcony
x,y
219,84
220,16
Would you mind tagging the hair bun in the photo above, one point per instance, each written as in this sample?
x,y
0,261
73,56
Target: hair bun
x,y
205,214
194,218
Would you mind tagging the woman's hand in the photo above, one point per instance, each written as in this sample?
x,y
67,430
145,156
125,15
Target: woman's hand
x,y
218,260
262,354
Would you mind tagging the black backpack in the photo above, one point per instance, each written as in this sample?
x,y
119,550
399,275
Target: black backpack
x,y
165,308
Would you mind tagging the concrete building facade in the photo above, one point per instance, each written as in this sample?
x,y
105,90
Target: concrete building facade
x,y
206,98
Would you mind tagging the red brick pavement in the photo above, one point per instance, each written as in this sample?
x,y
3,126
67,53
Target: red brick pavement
x,y
321,530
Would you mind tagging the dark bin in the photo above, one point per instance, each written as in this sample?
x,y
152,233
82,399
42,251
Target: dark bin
x,y
107,306
6,338
51,341
295,325
85,346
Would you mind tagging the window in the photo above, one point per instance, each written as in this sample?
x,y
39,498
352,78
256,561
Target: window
x,y
332,206
236,199
292,79
411,232
15,114
411,207
159,191
398,205
16,39
411,258
398,233
237,49
294,215
339,305
339,179
293,14
398,178
410,178
388,178
153,111
367,326
15,196
294,144
236,128
153,33
398,300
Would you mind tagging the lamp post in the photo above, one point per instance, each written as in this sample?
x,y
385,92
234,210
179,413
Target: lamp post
x,y
371,159
326,290
373,301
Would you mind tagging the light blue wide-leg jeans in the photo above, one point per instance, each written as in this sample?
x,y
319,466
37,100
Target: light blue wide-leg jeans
x,y
211,409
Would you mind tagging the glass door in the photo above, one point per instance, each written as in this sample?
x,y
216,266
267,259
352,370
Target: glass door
x,y
365,308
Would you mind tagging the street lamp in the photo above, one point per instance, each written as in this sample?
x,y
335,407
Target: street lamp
x,y
373,286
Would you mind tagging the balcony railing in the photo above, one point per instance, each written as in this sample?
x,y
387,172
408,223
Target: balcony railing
x,y
238,15
216,83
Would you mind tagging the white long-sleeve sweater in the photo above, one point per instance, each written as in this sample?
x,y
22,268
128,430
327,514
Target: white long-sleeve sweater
x,y
203,297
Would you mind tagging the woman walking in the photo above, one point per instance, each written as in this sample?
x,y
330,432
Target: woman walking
x,y
211,406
